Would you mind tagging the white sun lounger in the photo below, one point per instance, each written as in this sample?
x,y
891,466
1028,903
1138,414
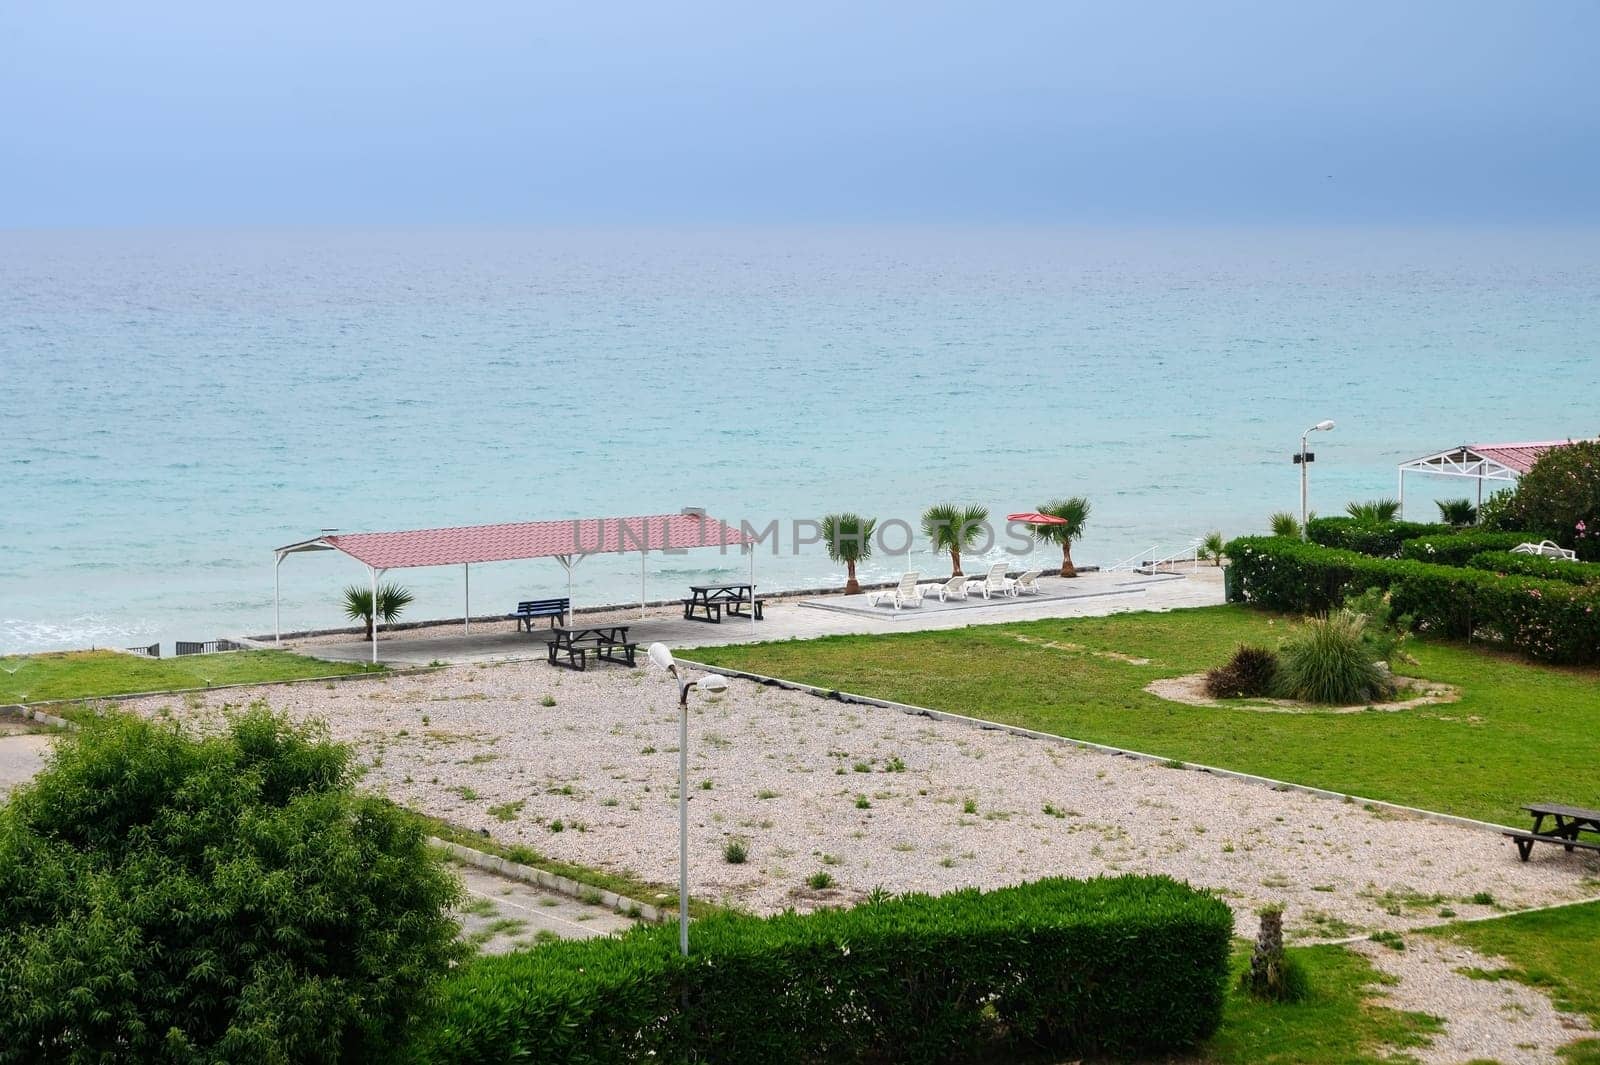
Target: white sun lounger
x,y
1027,583
954,588
1545,549
996,583
903,595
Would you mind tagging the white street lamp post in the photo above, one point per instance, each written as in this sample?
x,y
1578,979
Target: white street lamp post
x,y
713,685
1304,460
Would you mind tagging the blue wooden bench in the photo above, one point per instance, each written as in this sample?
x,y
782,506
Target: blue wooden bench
x,y
529,609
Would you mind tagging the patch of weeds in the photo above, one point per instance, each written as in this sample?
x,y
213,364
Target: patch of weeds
x,y
970,806
705,785
894,765
1392,940
1051,811
734,852
863,767
648,750
863,803
820,880
466,793
507,811
1482,898
1174,763
592,897
557,825
766,793
548,700
478,906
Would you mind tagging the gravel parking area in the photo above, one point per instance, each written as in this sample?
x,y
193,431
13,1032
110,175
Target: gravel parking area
x,y
583,767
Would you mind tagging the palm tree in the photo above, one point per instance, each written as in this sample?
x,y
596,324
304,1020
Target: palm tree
x,y
392,599
1075,511
848,538
1211,547
1375,510
1457,512
1286,525
954,528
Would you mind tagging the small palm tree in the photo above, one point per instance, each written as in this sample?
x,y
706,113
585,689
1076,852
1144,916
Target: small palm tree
x,y
1374,510
1457,512
1075,510
1211,547
1286,524
954,528
848,538
392,599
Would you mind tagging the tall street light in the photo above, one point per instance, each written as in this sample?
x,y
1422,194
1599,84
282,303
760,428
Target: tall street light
x,y
1304,459
713,685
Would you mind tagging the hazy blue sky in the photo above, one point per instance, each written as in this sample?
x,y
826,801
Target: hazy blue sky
x,y
204,111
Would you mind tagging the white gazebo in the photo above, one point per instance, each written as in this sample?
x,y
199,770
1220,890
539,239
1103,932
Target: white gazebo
x,y
1502,463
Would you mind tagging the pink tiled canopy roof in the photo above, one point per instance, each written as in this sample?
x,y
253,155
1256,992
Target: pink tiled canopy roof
x,y
535,539
1519,457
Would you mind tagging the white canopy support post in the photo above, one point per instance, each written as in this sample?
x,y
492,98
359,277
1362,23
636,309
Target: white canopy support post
x,y
752,589
277,620
1403,493
373,616
466,598
642,556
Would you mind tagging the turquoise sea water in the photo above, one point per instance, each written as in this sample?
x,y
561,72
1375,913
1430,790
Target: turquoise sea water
x,y
177,403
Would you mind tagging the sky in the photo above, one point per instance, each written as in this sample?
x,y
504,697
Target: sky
x,y
195,112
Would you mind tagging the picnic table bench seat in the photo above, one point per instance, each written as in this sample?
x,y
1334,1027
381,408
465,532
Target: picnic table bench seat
x,y
529,609
1570,821
707,602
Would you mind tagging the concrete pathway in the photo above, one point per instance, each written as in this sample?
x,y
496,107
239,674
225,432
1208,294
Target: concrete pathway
x,y
502,915
22,752
808,617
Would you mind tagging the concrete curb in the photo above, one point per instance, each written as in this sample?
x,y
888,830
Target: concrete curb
x,y
562,885
22,710
1050,737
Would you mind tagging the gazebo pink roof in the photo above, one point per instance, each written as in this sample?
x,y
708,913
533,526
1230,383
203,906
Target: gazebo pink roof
x,y
1519,457
529,539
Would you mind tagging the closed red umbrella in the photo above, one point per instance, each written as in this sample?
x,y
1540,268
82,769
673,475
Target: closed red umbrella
x,y
1033,517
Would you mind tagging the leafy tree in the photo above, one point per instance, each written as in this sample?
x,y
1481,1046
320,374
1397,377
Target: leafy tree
x,y
1374,510
1457,512
1211,547
1559,498
848,538
392,599
1286,525
188,898
954,528
1075,510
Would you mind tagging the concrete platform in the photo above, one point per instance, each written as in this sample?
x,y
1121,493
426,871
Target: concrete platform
x,y
785,619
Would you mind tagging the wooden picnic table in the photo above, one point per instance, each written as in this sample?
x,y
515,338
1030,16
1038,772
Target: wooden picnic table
x,y
707,602
570,647
1568,822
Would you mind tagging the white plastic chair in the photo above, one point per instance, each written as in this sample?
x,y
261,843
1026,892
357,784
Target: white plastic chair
x,y
903,595
1027,583
1545,549
995,583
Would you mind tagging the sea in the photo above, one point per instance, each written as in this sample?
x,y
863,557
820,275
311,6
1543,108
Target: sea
x,y
176,403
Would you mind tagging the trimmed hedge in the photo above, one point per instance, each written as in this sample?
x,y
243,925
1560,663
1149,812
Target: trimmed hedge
x,y
1552,569
1458,548
1544,619
1123,966
1381,539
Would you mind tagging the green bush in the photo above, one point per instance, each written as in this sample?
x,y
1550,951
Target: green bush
x,y
1381,539
1251,672
1384,632
1377,510
1549,620
225,898
1126,966
1328,661
1559,498
1457,548
1553,569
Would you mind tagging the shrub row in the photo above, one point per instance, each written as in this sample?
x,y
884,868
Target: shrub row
x,y
1553,569
1545,619
1124,966
1458,548
1381,539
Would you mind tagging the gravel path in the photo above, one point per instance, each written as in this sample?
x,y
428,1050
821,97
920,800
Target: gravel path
x,y
1485,1019
875,797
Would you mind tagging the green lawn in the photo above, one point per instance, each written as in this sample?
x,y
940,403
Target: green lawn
x,y
87,674
1338,1023
1521,731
